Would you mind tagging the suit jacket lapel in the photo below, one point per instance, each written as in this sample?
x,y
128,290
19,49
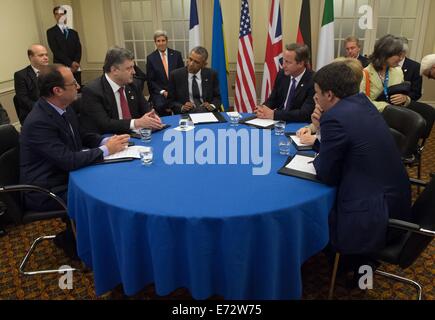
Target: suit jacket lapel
x,y
110,96
33,79
58,120
301,85
205,83
131,100
160,63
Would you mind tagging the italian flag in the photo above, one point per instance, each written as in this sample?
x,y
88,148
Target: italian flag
x,y
326,37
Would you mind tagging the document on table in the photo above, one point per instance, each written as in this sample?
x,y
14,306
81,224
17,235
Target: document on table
x,y
302,164
130,152
298,142
205,117
262,123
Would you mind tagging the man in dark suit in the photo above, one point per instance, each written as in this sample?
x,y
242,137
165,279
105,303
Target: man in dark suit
x,y
195,88
357,153
160,64
111,104
411,72
65,43
52,143
26,81
291,98
353,49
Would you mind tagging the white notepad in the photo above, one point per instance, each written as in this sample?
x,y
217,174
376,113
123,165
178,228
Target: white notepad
x,y
297,140
203,117
130,152
302,163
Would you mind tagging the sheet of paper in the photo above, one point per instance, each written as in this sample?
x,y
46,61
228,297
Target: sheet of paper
x,y
263,123
298,142
130,152
302,163
234,114
203,117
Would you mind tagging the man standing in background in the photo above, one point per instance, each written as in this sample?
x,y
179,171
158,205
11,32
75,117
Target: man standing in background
x,y
160,63
25,81
353,49
65,44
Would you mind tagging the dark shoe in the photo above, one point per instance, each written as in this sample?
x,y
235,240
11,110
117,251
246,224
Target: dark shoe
x,y
65,241
2,232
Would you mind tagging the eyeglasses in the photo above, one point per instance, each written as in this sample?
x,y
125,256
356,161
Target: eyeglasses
x,y
74,83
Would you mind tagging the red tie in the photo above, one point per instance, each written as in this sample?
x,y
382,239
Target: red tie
x,y
124,104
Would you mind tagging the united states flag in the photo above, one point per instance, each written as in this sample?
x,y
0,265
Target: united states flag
x,y
273,60
245,97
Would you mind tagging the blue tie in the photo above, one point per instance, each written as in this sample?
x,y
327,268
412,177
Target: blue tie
x,y
66,31
291,95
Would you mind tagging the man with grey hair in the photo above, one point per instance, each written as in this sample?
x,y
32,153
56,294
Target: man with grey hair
x,y
411,72
195,88
111,104
428,66
160,63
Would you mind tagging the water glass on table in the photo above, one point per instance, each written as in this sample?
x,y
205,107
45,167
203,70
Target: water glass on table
x,y
145,134
279,128
234,119
146,156
284,145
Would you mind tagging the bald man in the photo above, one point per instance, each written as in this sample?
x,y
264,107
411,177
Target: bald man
x,y
25,81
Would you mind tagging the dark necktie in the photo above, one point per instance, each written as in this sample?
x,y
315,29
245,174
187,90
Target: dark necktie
x,y
195,92
66,32
291,95
124,105
70,128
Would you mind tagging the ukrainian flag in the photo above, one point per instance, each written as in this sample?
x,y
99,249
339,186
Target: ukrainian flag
x,y
219,53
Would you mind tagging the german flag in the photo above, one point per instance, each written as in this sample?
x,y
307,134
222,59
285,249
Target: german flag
x,y
304,29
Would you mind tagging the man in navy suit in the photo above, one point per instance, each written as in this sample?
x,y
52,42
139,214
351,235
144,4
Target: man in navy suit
x,y
357,154
160,63
65,43
52,143
111,103
195,88
411,72
26,81
291,98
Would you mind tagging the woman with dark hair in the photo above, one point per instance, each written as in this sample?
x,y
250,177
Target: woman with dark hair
x,y
384,72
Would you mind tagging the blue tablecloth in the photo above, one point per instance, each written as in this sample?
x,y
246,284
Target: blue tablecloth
x,y
214,229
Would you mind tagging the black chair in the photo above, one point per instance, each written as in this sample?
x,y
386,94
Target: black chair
x,y
18,109
428,113
10,193
407,127
407,246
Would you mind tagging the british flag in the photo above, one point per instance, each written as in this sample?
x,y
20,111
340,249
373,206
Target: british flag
x,y
273,60
245,95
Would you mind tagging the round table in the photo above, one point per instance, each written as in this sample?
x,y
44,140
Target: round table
x,y
214,229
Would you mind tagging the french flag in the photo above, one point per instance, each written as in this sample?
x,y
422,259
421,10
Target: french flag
x,y
194,26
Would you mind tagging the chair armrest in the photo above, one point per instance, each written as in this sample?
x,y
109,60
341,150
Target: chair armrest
x,y
400,224
417,182
26,187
